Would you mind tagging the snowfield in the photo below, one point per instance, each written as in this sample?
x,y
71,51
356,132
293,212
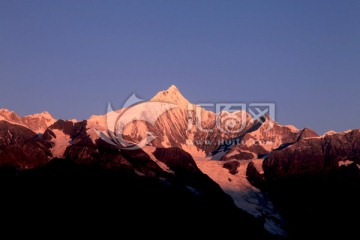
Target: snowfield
x,y
245,196
61,142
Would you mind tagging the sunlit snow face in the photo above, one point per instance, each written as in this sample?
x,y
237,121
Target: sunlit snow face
x,y
134,109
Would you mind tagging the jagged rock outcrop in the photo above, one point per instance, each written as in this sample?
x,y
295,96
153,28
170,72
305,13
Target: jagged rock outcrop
x,y
264,136
254,176
313,156
22,148
177,160
232,166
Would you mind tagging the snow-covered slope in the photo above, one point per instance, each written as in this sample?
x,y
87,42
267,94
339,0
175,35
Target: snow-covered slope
x,y
245,196
60,142
38,122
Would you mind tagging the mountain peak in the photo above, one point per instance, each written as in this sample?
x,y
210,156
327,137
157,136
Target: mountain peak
x,y
4,110
38,122
171,95
8,115
173,88
44,114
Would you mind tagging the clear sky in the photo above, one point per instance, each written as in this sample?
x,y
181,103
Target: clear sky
x,y
72,57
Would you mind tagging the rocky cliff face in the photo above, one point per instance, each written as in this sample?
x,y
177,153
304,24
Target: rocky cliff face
x,y
314,183
264,136
314,156
22,148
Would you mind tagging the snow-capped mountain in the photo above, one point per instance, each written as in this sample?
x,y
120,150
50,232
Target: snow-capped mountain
x,y
187,125
37,122
202,132
189,139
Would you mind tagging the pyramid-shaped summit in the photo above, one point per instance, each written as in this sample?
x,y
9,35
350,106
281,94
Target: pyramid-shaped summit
x,y
171,95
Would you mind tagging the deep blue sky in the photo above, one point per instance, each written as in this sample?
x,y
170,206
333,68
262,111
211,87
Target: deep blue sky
x,y
72,57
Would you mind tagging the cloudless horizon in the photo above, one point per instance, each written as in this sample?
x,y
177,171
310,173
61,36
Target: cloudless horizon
x,y
71,58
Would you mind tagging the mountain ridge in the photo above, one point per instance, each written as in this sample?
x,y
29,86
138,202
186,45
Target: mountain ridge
x,y
187,141
37,122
